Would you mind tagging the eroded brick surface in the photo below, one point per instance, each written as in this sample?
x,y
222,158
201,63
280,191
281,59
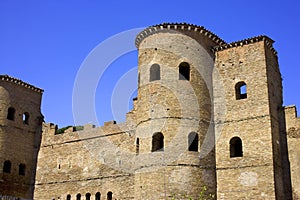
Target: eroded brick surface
x,y
247,142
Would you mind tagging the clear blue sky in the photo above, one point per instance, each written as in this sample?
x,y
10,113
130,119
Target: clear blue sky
x,y
45,42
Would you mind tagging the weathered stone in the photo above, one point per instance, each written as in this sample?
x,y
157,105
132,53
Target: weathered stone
x,y
231,104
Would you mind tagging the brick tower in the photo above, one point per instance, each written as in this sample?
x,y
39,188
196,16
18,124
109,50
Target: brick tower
x,y
174,111
20,135
251,149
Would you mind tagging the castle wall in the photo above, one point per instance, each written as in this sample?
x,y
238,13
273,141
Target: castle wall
x,y
250,120
228,97
19,138
278,125
293,137
88,161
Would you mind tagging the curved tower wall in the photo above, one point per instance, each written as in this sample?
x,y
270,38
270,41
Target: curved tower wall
x,y
174,108
19,136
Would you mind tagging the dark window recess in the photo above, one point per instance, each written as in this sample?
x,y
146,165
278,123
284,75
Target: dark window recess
x,y
109,195
87,196
11,113
78,196
157,142
236,147
184,71
26,118
7,166
193,140
98,196
137,145
22,169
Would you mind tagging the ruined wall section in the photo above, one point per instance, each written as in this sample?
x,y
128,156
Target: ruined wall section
x,y
88,161
293,138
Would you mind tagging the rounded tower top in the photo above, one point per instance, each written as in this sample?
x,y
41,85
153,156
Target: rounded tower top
x,y
185,28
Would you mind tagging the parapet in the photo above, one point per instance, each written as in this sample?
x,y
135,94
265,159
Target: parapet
x,y
10,79
177,27
291,111
251,40
292,121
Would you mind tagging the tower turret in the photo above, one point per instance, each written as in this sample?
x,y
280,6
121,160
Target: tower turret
x,y
174,111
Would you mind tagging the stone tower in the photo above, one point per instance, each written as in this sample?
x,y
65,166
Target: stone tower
x,y
174,111
251,158
20,135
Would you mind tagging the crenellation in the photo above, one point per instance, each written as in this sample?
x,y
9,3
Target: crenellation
x,y
20,82
269,42
109,123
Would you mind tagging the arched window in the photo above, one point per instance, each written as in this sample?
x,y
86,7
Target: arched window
x,y
236,147
26,118
68,197
241,90
193,140
109,195
154,72
11,113
157,142
184,71
22,169
87,196
137,145
7,166
98,196
78,196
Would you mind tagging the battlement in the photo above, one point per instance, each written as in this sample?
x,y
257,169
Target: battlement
x,y
292,121
291,110
178,27
20,82
269,42
53,135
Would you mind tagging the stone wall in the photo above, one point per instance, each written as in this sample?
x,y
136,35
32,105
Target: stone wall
x,y
293,133
88,161
250,118
230,100
20,136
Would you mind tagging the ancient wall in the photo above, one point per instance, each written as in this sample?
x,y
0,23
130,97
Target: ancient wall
x,y
175,105
88,161
293,132
20,134
245,153
208,114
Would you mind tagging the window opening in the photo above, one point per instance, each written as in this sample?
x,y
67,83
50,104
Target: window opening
x,y
236,147
193,140
157,142
154,72
184,71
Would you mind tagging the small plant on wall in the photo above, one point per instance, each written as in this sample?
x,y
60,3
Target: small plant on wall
x,y
203,195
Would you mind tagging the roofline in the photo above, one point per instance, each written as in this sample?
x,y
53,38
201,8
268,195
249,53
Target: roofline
x,y
251,40
176,26
21,83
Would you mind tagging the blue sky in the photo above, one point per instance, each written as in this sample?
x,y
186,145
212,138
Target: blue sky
x,y
45,42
